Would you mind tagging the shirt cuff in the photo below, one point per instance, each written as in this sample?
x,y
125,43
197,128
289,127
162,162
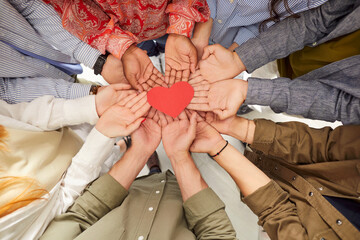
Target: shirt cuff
x,y
264,135
265,198
260,91
78,90
255,58
201,205
108,191
87,55
177,24
81,110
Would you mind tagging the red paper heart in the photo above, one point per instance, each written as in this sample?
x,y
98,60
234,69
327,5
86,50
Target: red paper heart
x,y
171,101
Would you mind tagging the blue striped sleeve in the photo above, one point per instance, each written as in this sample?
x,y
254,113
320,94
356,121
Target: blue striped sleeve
x,y
212,6
16,90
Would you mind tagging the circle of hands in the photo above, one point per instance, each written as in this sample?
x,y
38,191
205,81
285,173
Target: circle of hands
x,y
123,107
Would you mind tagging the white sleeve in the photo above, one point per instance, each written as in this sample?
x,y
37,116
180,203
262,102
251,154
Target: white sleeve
x,y
50,113
85,166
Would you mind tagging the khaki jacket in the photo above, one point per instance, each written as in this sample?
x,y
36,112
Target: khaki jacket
x,y
305,164
151,209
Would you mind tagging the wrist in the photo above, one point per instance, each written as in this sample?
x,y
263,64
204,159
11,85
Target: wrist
x,y
217,148
100,62
179,157
238,62
129,51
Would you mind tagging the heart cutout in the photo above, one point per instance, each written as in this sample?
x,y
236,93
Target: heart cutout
x,y
171,101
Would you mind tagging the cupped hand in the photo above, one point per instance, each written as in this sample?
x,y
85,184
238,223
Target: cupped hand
x,y
180,58
138,67
177,134
223,98
219,63
222,126
147,137
109,95
156,79
124,117
207,139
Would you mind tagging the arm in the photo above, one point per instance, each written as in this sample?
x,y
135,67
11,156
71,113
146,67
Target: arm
x,y
48,24
293,34
204,211
49,113
201,36
332,97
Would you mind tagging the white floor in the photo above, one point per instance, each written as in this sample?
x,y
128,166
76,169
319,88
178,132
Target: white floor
x,y
244,221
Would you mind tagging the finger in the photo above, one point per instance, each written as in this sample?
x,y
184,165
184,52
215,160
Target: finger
x,y
172,77
200,100
163,121
208,50
201,87
185,75
193,60
133,101
196,79
202,114
178,76
151,113
156,116
138,104
199,107
195,74
167,73
120,86
222,114
169,119
182,116
146,87
148,71
127,99
143,110
133,126
192,127
150,82
201,93
160,82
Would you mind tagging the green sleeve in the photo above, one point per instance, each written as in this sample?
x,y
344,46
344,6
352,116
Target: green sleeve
x,y
297,143
98,199
206,216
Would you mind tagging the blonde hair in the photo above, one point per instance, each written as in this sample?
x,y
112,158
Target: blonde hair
x,y
29,188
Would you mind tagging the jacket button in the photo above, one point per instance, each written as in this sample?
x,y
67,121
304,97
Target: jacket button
x,y
338,222
293,178
322,238
311,194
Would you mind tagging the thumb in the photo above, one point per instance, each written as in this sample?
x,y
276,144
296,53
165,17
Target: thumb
x,y
133,126
120,86
193,123
222,114
193,60
208,50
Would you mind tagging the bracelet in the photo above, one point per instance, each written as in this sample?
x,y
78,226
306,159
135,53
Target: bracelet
x,y
94,89
127,141
99,64
227,142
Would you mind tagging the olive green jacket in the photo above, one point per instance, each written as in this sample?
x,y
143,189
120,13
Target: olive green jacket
x,y
305,164
151,209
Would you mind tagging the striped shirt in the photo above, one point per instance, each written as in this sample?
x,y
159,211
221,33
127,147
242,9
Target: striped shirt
x,y
239,20
35,27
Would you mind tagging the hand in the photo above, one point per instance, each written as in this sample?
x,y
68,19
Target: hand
x,y
177,134
180,58
207,139
218,63
147,137
156,79
223,98
222,126
109,95
113,71
124,117
137,67
196,78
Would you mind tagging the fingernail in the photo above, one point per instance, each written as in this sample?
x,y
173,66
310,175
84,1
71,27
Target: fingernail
x,y
143,120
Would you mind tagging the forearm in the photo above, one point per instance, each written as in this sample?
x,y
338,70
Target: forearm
x,y
128,167
187,175
245,174
202,31
16,90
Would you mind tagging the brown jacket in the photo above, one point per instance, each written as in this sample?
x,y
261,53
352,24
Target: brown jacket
x,y
305,164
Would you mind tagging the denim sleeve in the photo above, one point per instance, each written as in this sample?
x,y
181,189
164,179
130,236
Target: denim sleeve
x,y
16,90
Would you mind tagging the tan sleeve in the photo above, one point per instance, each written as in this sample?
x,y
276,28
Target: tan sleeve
x,y
277,215
296,142
206,216
99,198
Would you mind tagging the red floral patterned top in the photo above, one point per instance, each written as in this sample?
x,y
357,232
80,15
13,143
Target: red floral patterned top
x,y
114,25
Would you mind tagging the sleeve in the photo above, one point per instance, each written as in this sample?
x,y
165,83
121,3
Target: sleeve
x,y
297,143
246,33
49,113
184,14
99,29
212,7
277,215
98,199
293,34
327,98
206,216
16,90
48,25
